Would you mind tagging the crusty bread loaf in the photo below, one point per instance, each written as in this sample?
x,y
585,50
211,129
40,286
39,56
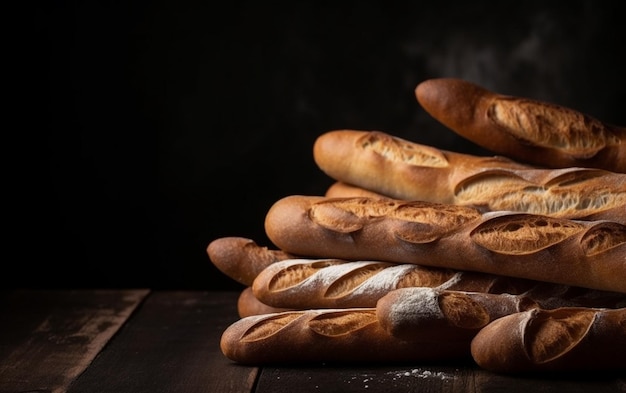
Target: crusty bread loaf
x,y
248,305
563,339
388,165
524,129
590,254
241,258
377,164
350,335
430,313
333,283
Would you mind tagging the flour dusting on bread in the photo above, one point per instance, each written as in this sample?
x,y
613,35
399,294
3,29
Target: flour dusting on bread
x,y
295,271
413,304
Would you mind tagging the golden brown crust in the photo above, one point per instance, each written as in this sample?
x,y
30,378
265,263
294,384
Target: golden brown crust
x,y
332,283
589,254
433,314
326,336
563,339
340,189
242,259
248,305
387,165
358,158
528,130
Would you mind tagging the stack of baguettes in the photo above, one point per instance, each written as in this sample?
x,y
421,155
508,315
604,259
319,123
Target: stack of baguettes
x,y
517,261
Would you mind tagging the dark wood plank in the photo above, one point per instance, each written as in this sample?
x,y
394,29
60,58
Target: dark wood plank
x,y
575,382
375,378
462,378
171,344
52,340
47,338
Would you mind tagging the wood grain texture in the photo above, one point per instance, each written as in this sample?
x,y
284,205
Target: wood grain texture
x,y
48,338
171,345
168,341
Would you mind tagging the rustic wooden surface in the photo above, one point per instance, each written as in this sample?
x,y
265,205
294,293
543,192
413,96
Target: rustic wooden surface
x,y
48,338
168,341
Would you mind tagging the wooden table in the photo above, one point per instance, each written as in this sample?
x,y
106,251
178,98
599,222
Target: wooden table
x,y
138,340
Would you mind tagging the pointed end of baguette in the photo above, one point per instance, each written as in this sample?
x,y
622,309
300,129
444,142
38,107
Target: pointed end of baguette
x,y
450,101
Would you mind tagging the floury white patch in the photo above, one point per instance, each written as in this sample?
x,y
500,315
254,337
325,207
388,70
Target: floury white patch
x,y
415,301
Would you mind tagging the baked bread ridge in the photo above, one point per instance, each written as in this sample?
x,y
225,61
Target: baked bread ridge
x,y
376,164
348,335
563,339
324,283
528,130
422,313
242,259
590,254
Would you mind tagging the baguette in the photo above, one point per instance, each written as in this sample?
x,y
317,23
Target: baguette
x,y
248,305
242,259
378,163
528,130
325,283
334,283
563,339
430,313
327,336
590,254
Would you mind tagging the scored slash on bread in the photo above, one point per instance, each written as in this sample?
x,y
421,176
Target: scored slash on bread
x,y
338,284
327,336
503,333
431,314
524,129
420,254
291,284
563,339
590,254
324,283
376,164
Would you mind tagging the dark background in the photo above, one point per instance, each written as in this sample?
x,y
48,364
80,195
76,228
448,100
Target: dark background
x,y
147,129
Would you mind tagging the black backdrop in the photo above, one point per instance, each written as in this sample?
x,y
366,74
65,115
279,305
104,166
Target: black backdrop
x,y
151,128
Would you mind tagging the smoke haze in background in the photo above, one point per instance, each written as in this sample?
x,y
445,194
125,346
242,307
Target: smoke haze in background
x,y
166,125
